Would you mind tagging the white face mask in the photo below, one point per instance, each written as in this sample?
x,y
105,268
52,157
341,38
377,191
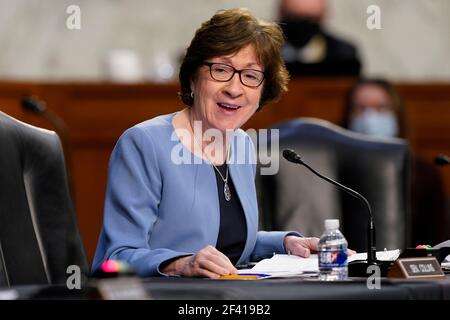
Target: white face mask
x,y
376,123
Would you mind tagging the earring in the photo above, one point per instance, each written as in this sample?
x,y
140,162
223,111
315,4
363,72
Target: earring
x,y
192,94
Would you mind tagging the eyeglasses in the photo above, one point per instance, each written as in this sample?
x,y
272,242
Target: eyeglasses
x,y
223,72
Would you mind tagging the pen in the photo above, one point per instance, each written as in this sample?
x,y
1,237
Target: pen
x,y
244,276
254,274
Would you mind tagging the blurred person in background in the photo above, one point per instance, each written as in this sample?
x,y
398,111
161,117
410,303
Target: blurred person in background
x,y
374,107
309,49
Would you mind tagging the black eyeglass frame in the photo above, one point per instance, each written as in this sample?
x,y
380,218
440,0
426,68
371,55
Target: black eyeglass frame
x,y
239,72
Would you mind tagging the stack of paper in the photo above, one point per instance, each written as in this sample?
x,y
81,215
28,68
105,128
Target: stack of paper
x,y
386,255
446,263
283,265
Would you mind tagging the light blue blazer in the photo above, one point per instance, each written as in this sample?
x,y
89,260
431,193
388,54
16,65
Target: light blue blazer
x,y
156,210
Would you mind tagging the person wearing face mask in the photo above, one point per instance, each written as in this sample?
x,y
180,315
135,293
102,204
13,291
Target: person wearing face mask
x,y
309,50
376,123
374,107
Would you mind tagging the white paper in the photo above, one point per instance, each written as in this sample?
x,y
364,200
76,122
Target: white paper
x,y
442,244
446,262
288,263
283,265
387,255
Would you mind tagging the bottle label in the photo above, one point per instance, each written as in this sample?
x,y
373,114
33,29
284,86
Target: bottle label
x,y
332,258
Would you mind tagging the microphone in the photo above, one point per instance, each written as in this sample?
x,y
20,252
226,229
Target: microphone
x,y
33,104
356,268
442,160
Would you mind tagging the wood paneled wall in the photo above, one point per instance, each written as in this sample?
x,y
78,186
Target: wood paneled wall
x,y
97,114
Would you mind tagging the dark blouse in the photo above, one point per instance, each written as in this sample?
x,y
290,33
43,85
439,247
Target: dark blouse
x,y
233,227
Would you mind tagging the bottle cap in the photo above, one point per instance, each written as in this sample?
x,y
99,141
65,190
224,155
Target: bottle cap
x,y
331,224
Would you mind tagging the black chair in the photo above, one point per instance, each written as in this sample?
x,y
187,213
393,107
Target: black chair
x,y
39,236
296,199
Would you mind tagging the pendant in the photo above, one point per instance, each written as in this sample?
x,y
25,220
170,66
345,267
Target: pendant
x,y
227,192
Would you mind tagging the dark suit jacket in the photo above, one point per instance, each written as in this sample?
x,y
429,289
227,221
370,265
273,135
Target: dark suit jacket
x,y
341,59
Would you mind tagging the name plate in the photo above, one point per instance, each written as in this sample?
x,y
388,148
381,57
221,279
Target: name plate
x,y
416,268
122,288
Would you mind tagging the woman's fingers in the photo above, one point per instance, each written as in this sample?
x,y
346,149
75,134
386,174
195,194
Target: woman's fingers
x,y
301,251
304,246
218,258
312,243
214,268
209,262
301,246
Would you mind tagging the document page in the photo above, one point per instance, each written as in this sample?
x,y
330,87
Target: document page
x,y
446,263
387,255
283,265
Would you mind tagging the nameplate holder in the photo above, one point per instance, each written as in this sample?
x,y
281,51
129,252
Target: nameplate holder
x,y
416,268
122,288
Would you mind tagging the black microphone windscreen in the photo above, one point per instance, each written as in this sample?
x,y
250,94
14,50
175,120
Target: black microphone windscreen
x,y
442,160
291,155
33,105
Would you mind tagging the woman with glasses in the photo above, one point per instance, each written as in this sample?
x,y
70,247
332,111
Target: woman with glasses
x,y
181,197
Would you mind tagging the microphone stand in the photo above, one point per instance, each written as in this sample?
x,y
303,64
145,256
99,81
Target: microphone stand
x,y
356,268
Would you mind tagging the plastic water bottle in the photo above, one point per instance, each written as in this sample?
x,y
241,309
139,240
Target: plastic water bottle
x,y
332,253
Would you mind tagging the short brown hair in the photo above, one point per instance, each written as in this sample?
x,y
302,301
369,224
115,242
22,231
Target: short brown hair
x,y
229,31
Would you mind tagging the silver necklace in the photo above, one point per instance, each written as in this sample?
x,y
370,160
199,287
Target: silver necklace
x,y
226,188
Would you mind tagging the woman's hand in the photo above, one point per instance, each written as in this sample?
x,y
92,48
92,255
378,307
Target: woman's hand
x,y
304,246
300,246
208,262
